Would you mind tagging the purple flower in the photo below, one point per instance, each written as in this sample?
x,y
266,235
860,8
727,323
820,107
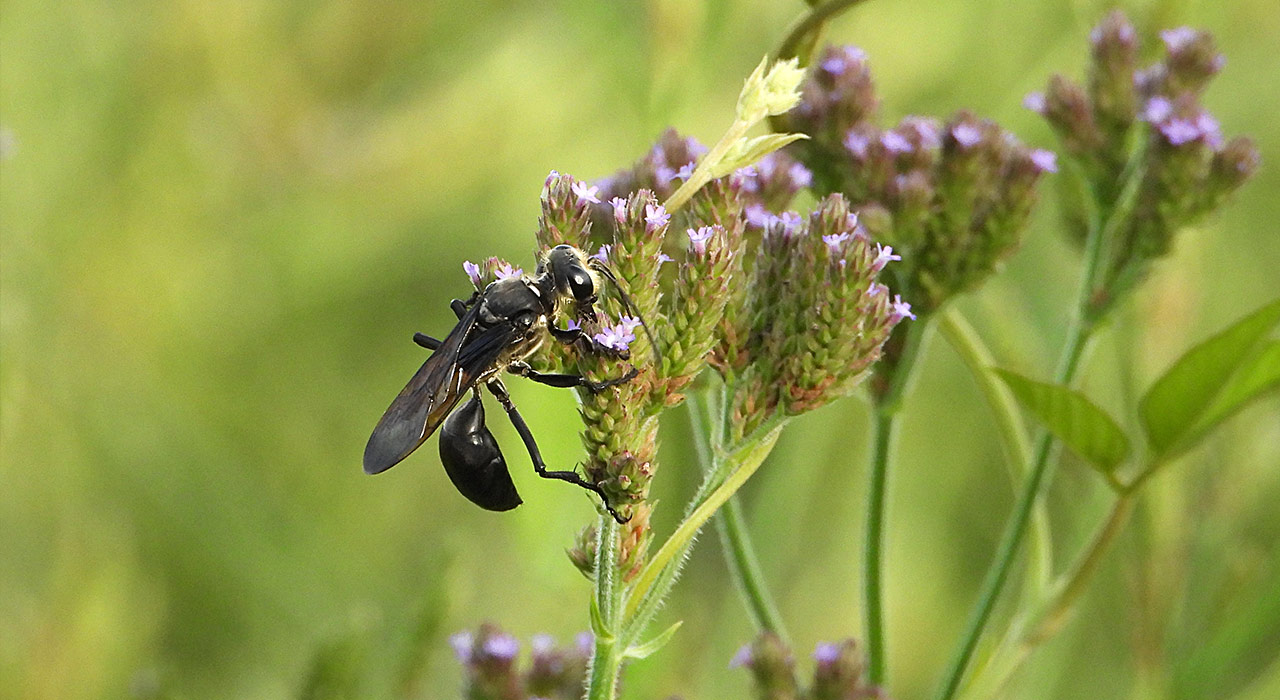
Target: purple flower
x,y
757,216
844,57
501,646
826,653
901,309
742,658
614,337
655,217
884,255
1179,38
573,325
506,271
586,193
1034,101
551,177
1180,131
835,241
542,643
926,129
1045,161
895,143
629,324
685,172
1157,109
745,179
856,143
698,239
876,289
473,271
603,254
664,258
664,174
462,643
584,641
801,176
790,221
967,135
619,210
1209,130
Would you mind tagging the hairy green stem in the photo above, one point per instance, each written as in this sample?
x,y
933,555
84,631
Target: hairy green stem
x,y
606,656
964,340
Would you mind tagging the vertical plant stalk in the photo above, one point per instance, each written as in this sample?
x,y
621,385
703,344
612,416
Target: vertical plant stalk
x,y
798,37
873,554
739,552
885,410
977,358
606,657
1082,326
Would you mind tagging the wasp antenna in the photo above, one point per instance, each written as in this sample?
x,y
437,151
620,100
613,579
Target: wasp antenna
x,y
603,269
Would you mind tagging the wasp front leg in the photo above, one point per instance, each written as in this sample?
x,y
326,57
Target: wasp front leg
x,y
569,381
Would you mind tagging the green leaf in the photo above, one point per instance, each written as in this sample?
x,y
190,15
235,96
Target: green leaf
x,y
749,151
1074,419
597,621
644,651
1254,379
1209,383
745,461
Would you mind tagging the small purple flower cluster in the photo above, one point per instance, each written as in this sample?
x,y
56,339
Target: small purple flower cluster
x,y
953,197
490,661
837,673
1186,166
490,271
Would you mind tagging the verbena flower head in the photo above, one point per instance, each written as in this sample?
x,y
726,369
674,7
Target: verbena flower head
x,y
952,198
837,673
1148,121
492,670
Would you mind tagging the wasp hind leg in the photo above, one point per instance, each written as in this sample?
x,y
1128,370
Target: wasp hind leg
x,y
500,392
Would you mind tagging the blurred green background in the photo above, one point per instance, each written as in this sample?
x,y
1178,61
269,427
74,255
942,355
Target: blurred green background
x,y
222,223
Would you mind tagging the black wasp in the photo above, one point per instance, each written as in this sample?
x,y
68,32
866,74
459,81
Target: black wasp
x,y
497,329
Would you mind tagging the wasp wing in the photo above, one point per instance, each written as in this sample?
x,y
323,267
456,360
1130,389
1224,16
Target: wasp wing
x,y
425,401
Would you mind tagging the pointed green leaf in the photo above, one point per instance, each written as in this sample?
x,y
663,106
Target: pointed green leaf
x,y
597,621
749,151
644,651
1197,391
1074,419
1255,378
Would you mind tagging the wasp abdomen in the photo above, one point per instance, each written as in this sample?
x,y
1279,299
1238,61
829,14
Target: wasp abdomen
x,y
473,461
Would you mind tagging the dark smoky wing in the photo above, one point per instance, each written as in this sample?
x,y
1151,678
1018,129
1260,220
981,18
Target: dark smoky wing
x,y
424,402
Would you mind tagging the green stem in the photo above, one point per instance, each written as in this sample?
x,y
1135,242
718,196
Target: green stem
x,y
873,558
606,657
1082,326
744,567
885,411
739,552
1057,609
964,340
809,24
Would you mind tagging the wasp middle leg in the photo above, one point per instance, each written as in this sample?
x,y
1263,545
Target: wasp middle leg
x,y
500,392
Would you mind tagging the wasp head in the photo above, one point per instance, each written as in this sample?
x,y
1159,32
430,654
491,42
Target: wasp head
x,y
566,272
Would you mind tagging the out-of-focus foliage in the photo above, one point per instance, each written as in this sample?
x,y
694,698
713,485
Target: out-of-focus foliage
x,y
221,223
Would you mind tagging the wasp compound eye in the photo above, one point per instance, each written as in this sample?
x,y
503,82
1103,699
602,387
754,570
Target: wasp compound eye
x,y
581,285
473,461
